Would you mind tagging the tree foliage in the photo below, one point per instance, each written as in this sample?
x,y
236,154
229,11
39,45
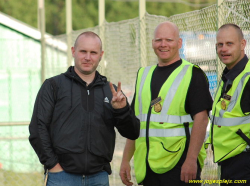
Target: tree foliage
x,y
85,12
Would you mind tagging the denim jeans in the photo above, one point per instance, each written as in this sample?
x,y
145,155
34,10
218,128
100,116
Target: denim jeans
x,y
68,179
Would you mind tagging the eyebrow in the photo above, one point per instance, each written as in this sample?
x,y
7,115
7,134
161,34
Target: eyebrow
x,y
225,42
165,38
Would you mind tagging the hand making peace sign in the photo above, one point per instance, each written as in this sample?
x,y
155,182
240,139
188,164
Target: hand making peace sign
x,y
118,100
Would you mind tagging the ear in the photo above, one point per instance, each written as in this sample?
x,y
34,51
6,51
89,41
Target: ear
x,y
179,43
101,56
73,51
243,44
102,53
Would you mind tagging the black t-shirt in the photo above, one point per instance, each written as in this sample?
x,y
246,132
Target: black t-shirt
x,y
231,75
198,96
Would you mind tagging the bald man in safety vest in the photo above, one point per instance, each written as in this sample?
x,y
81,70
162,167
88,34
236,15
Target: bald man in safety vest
x,y
172,101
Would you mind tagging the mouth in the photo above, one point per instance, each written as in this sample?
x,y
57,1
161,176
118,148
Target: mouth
x,y
86,64
164,50
225,55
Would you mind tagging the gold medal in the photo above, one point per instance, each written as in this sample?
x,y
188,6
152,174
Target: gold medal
x,y
223,105
157,107
153,102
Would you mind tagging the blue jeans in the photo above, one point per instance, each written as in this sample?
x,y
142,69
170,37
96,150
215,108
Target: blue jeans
x,y
68,179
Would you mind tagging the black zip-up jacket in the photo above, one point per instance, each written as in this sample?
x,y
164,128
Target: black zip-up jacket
x,y
77,129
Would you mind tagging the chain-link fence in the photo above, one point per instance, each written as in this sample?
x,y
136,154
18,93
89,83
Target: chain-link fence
x,y
127,46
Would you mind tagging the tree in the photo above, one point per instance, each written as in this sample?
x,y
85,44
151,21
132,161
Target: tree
x,y
85,12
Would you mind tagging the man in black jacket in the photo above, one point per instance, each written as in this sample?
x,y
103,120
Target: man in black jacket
x,y
72,127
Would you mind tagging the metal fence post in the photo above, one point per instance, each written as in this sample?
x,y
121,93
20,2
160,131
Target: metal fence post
x,y
101,17
143,48
220,14
69,30
41,21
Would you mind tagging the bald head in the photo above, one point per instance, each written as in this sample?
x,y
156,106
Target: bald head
x,y
88,34
232,26
166,43
167,25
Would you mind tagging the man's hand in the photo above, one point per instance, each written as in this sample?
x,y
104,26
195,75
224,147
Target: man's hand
x,y
125,173
188,170
119,100
56,168
189,167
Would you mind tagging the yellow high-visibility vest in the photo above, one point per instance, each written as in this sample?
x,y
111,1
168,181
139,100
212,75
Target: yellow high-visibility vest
x,y
164,130
226,122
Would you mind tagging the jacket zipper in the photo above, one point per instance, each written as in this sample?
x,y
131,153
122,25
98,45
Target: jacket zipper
x,y
88,131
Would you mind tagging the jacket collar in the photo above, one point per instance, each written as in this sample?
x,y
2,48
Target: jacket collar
x,y
235,71
99,79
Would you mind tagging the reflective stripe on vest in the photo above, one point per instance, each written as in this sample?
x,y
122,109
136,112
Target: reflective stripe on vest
x,y
231,121
164,132
166,118
237,120
144,75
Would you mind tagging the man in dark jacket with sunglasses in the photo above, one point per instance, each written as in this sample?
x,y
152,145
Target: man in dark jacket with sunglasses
x,y
72,127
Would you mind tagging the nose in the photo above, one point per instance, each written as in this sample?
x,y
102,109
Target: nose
x,y
87,56
223,48
163,43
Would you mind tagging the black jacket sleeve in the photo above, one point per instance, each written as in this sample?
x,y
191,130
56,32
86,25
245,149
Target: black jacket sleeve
x,y
127,123
39,126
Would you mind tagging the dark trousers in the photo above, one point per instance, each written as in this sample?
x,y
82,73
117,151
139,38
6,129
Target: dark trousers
x,y
236,170
170,178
